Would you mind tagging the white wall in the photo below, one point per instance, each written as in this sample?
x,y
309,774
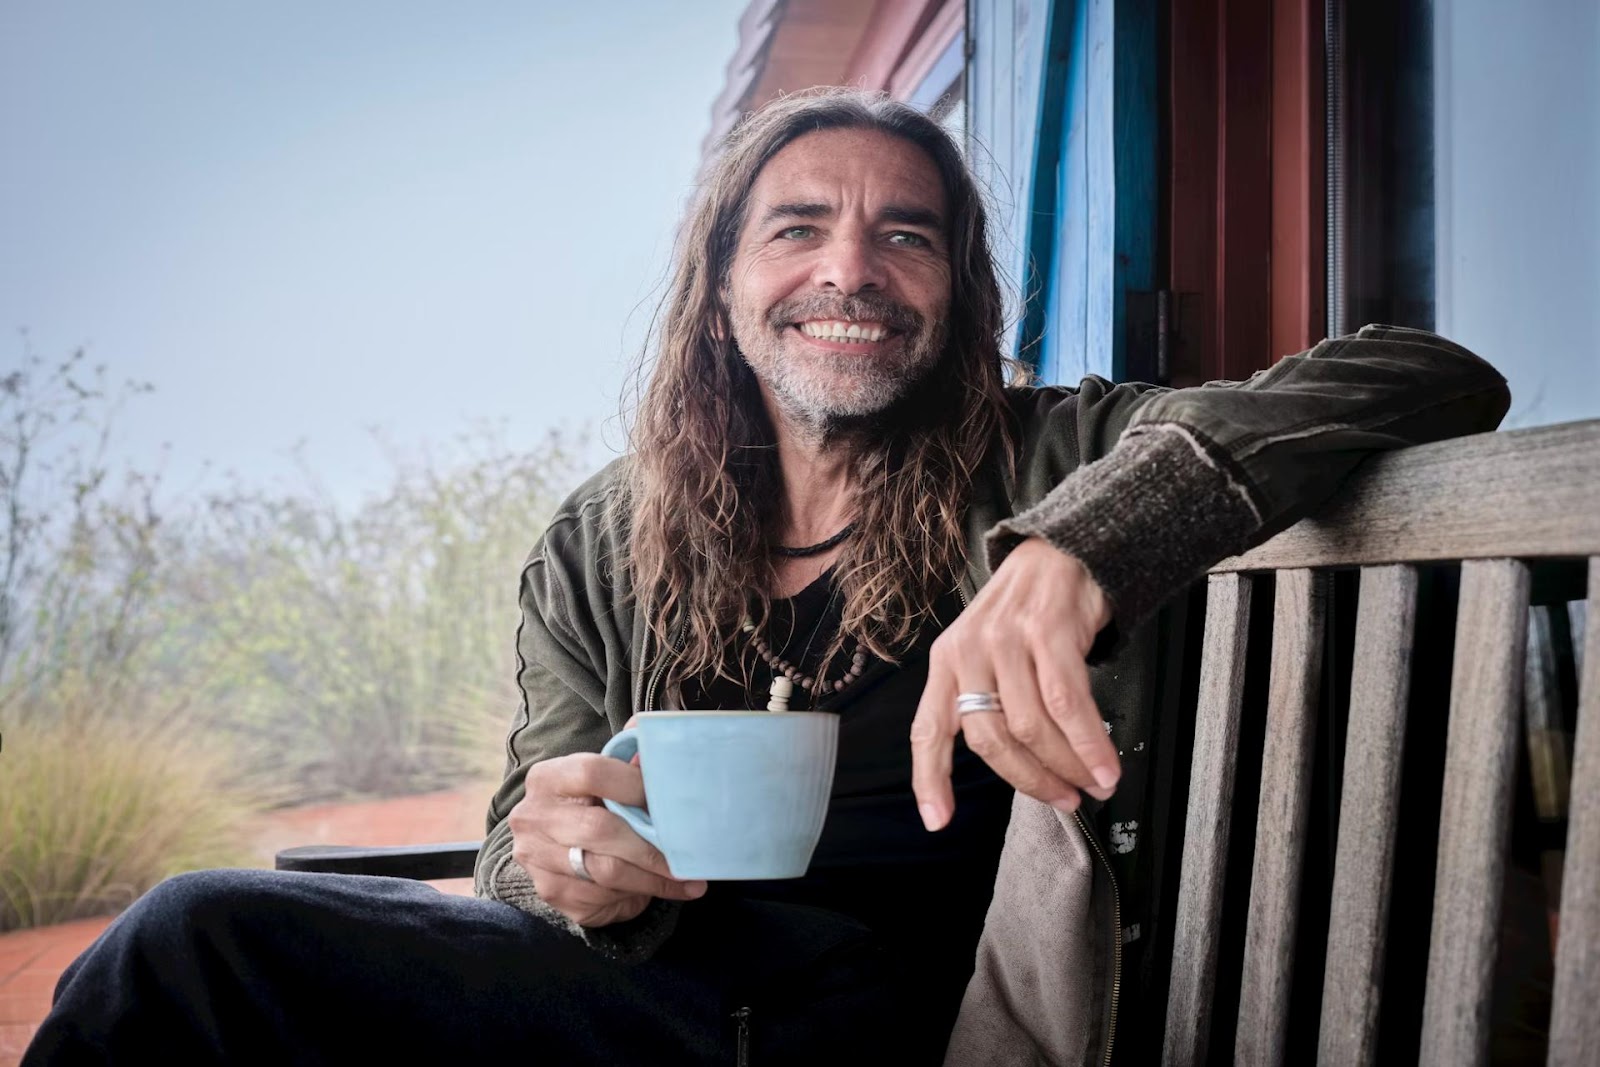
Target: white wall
x,y
1517,163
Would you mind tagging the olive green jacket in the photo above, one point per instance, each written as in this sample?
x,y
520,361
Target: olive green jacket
x,y
1148,487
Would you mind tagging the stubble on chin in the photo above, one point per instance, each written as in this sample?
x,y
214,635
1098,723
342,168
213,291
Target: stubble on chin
x,y
828,397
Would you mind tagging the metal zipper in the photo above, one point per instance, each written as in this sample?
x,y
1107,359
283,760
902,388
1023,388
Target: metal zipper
x,y
742,1049
655,675
1116,936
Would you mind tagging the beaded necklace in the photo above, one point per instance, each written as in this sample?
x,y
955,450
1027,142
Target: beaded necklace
x,y
814,685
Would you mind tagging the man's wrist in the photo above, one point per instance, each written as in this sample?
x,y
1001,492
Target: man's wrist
x,y
1144,522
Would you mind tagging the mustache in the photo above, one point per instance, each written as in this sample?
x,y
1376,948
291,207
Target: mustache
x,y
863,307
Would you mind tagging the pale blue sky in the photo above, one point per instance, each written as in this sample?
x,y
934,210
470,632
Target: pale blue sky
x,y
303,220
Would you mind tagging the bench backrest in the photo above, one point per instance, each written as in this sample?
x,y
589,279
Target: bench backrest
x,y
1495,502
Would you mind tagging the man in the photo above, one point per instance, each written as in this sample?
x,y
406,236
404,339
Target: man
x,y
831,481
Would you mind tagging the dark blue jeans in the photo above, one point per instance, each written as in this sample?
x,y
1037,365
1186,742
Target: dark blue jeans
x,y
268,967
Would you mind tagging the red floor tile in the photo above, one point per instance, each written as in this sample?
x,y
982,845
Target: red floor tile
x,y
30,983
25,1008
14,1038
14,960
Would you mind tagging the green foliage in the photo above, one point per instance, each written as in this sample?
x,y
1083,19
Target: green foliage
x,y
368,654
97,809
346,654
167,666
76,557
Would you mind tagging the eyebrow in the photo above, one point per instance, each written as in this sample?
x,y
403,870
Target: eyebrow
x,y
905,216
913,216
795,211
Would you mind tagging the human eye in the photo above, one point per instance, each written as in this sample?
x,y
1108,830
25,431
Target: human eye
x,y
907,239
796,233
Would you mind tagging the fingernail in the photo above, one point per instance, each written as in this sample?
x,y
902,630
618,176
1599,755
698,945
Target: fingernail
x,y
1105,777
931,816
1068,803
1100,794
696,889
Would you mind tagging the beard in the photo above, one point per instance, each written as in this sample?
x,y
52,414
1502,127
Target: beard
x,y
829,393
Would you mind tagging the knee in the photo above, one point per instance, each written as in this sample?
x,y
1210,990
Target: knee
x,y
199,902
195,892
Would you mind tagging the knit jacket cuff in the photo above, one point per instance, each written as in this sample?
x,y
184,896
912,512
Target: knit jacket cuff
x,y
1146,520
631,941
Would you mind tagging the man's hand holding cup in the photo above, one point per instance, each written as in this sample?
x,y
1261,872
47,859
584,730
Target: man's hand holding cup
x,y
561,813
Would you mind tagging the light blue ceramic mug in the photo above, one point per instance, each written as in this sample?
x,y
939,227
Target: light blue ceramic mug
x,y
732,794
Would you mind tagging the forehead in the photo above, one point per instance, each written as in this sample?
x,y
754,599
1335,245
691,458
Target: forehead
x,y
838,166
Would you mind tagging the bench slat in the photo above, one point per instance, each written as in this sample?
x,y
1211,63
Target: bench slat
x,y
1574,1020
1299,611
1532,494
1485,711
1205,840
1380,685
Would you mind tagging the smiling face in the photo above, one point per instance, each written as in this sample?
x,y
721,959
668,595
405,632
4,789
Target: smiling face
x,y
840,284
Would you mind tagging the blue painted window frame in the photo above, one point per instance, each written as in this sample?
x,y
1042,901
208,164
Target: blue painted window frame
x,y
1089,230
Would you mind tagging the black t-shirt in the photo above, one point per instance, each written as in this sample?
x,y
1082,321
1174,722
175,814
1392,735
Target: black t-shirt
x,y
925,893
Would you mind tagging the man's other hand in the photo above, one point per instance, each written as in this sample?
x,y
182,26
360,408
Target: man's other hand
x,y
561,808
1025,637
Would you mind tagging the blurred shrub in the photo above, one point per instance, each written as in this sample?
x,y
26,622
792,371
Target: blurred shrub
x,y
372,653
339,651
96,810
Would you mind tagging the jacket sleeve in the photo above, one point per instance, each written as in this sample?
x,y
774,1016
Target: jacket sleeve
x,y
560,667
1149,487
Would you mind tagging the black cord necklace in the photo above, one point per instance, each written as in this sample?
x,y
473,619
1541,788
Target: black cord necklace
x,y
814,550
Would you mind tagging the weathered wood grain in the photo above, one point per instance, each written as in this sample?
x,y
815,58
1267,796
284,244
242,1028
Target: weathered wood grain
x,y
1575,1011
1205,841
1485,709
1522,493
1299,611
1380,685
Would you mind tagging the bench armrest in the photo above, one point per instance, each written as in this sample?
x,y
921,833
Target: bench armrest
x,y
452,859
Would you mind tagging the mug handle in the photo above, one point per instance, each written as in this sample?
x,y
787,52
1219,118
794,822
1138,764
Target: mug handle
x,y
624,746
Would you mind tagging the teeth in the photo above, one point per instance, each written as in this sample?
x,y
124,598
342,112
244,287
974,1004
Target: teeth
x,y
844,331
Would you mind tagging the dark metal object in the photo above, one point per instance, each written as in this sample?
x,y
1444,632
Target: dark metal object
x,y
426,862
1337,180
1157,324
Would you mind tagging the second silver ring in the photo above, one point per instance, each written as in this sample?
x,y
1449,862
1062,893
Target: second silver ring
x,y
972,703
575,861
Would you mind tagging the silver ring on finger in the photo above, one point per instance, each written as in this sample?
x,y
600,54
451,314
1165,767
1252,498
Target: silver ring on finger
x,y
972,703
575,861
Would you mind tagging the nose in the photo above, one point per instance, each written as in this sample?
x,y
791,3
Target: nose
x,y
850,264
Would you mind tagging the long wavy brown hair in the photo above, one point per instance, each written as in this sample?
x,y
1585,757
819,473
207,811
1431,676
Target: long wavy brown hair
x,y
704,488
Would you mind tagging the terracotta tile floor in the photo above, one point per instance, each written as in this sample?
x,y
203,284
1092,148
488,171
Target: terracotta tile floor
x,y
32,960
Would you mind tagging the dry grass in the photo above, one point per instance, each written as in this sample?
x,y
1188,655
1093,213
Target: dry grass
x,y
95,810
169,665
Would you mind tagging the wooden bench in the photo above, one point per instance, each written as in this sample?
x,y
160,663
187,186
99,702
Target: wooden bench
x,y
1498,503
1495,502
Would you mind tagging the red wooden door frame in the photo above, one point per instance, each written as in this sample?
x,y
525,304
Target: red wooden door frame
x,y
1244,214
